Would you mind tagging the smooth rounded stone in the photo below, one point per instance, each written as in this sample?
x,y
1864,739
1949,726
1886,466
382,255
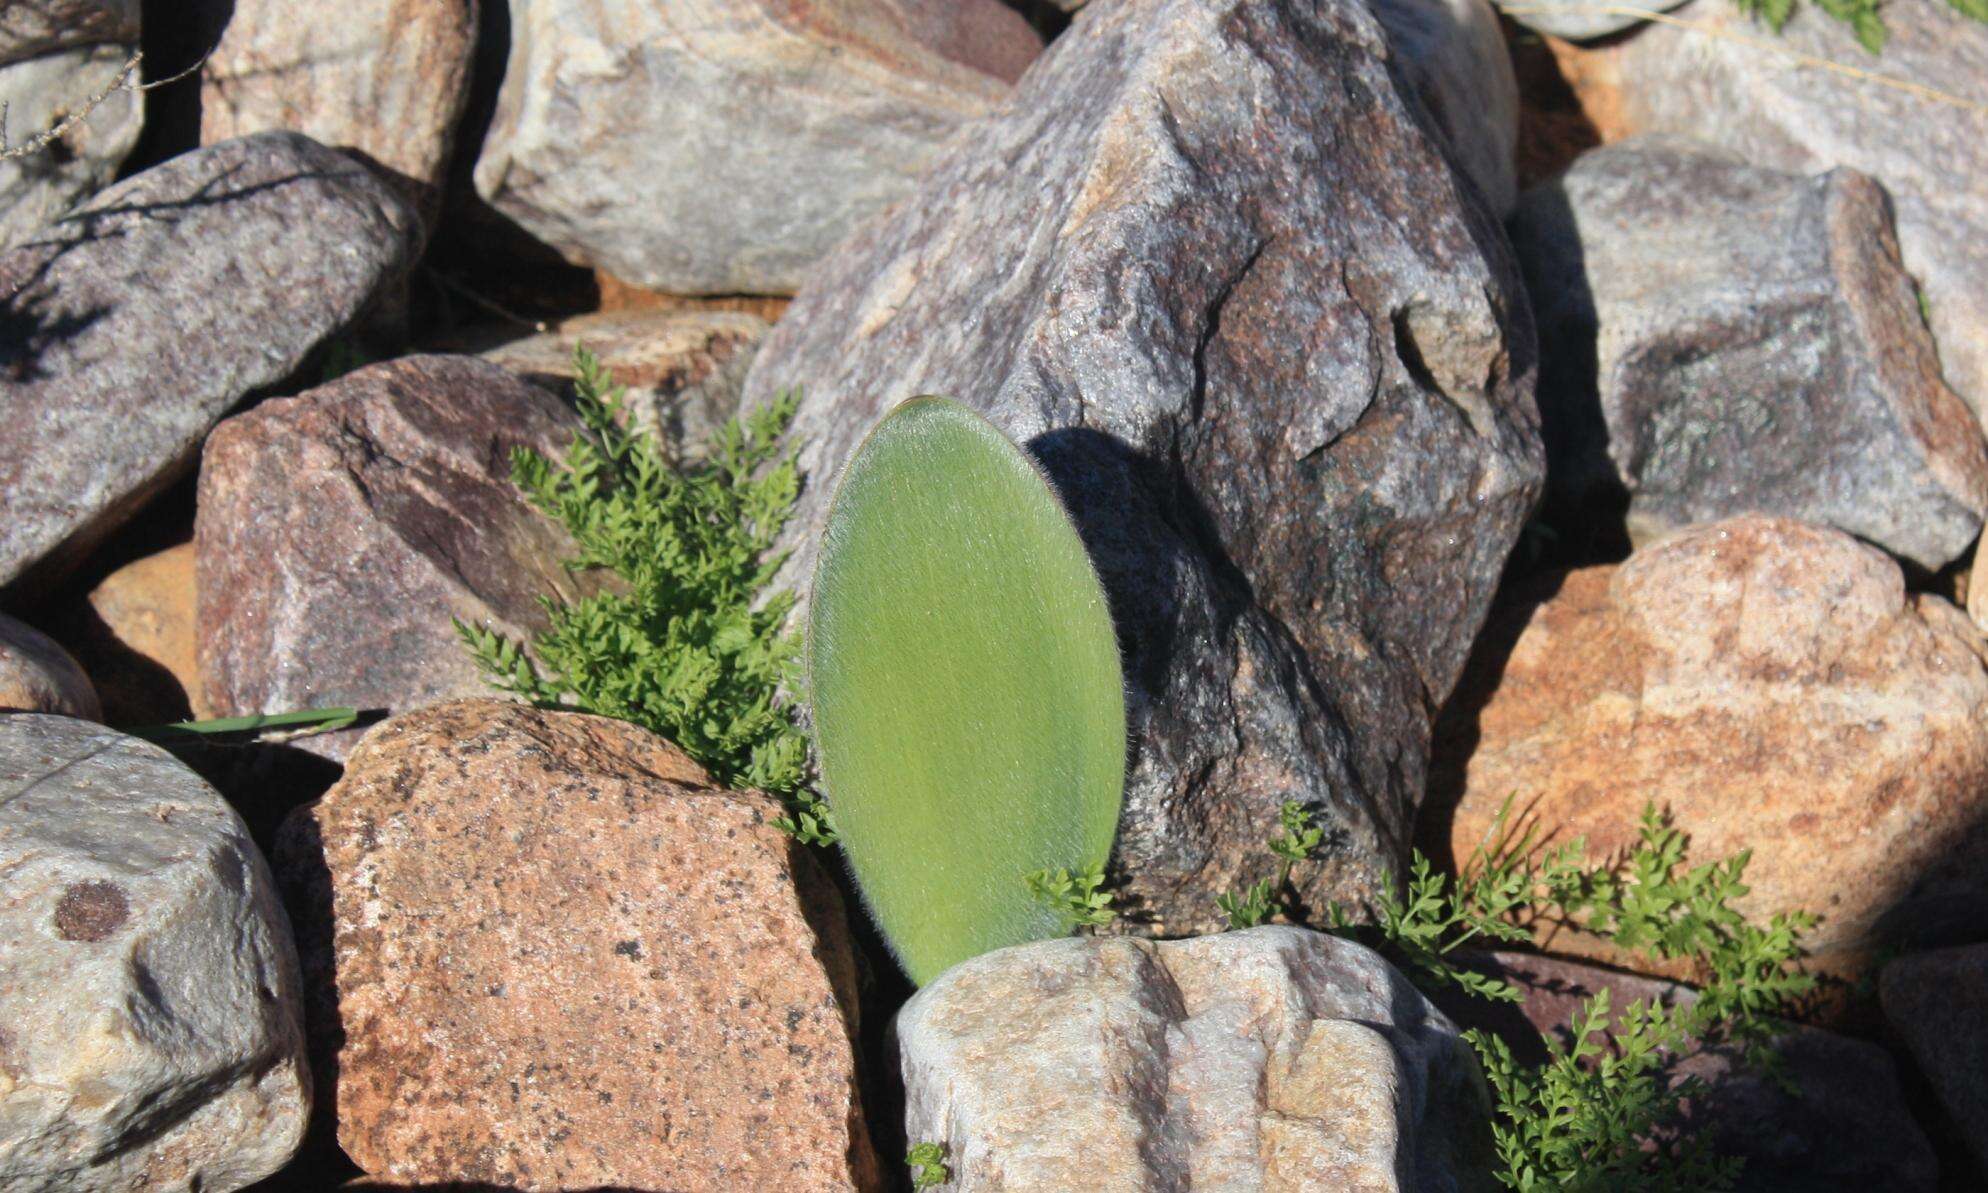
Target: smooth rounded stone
x,y
338,532
43,27
135,635
1936,1004
683,369
37,675
1274,357
548,953
1834,1120
1772,109
151,1032
136,322
1718,339
723,146
1276,1058
39,93
1454,55
1768,684
1580,20
387,80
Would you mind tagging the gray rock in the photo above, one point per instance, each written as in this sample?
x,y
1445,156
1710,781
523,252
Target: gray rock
x,y
150,1027
683,370
722,146
34,28
135,323
1276,359
1276,1059
1454,55
1772,110
1936,1003
1579,20
37,675
1718,339
338,532
38,94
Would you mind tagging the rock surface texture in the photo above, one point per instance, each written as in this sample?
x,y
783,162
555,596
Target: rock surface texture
x,y
39,92
49,26
1277,363
37,675
1937,1004
1775,111
1717,339
136,636
631,980
1455,57
133,325
388,79
150,1021
1276,1059
1771,686
339,531
683,369
722,146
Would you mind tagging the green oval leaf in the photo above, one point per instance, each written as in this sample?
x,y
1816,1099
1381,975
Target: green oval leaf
x,y
969,712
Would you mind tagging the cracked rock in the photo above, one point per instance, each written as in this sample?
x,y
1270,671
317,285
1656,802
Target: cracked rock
x,y
337,533
1276,359
1276,1058
151,1032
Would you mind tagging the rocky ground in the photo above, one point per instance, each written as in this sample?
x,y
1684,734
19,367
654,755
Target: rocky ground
x,y
1458,405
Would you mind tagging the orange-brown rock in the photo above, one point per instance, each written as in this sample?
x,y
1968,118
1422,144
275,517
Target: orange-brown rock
x,y
1770,685
135,636
562,959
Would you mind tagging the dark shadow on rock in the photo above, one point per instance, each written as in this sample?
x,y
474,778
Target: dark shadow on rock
x,y
177,36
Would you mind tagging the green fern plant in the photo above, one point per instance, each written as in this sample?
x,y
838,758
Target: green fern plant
x,y
968,707
928,1165
687,641
1298,837
1077,898
1864,17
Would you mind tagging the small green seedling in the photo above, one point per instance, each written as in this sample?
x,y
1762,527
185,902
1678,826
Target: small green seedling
x,y
928,1165
1077,898
1298,837
969,713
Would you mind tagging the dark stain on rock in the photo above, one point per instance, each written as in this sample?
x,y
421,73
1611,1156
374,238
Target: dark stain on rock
x,y
91,911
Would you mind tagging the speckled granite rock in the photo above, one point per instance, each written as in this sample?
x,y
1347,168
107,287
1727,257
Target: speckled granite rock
x,y
631,979
722,146
1768,683
683,369
1277,1059
150,1022
338,532
38,93
1276,360
37,675
1936,1003
132,326
1454,55
1719,339
50,26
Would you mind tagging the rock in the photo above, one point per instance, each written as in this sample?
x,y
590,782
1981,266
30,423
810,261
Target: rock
x,y
1275,1058
387,80
1581,20
135,323
37,675
1276,360
1454,55
1839,1124
683,369
1937,1004
1717,339
721,146
1771,686
39,93
338,532
51,26
638,982
135,635
150,1024
1773,110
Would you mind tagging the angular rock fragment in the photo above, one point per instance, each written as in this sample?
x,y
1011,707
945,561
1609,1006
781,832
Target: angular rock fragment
x,y
1718,339
722,146
1455,57
629,979
135,323
1275,1059
1770,685
151,1031
1275,359
338,532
